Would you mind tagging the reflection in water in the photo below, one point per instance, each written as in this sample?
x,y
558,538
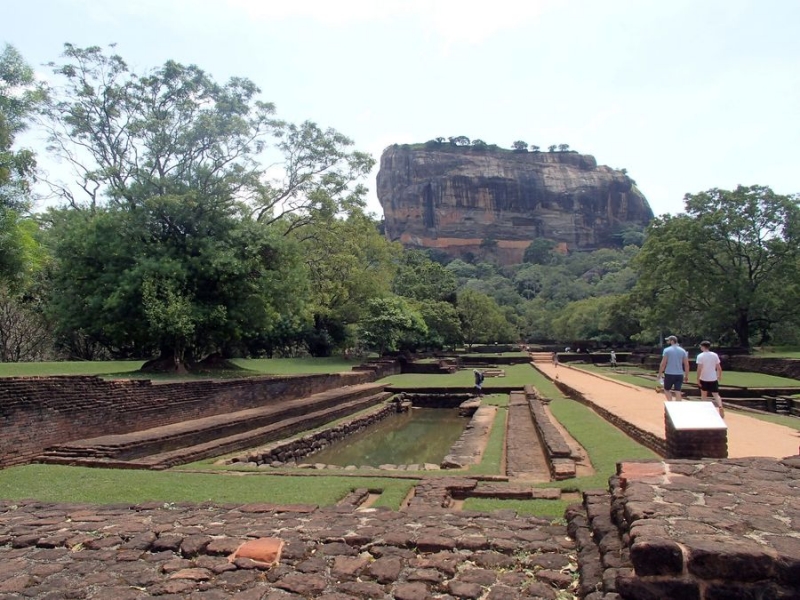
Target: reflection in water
x,y
414,437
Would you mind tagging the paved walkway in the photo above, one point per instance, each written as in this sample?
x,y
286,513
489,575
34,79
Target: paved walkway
x,y
644,408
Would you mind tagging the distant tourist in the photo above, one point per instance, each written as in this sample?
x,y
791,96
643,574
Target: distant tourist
x,y
674,368
555,359
709,373
478,382
613,360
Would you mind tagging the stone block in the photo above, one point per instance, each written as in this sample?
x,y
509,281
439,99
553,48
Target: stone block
x,y
695,430
641,589
656,556
733,559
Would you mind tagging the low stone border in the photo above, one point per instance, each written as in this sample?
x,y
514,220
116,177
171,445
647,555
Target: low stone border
x,y
559,454
469,447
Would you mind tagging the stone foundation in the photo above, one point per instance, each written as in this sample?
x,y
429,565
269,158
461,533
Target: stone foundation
x,y
699,530
39,412
293,450
694,430
558,452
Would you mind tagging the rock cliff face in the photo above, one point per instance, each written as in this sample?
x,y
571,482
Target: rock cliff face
x,y
462,200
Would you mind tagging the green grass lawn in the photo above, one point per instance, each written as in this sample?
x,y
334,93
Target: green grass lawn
x,y
55,483
516,376
605,444
33,369
297,366
778,351
493,354
129,368
732,378
788,421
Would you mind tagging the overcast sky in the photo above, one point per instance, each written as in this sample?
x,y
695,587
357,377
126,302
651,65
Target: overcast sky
x,y
685,94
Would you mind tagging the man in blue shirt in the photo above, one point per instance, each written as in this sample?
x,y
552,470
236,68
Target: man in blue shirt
x,y
674,368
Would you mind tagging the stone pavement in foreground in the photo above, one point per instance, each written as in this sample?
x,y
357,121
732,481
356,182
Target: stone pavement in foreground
x,y
124,552
644,408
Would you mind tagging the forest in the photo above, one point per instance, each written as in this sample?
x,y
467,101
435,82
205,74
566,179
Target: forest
x,y
201,225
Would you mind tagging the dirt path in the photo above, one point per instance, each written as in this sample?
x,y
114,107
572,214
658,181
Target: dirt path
x,y
644,408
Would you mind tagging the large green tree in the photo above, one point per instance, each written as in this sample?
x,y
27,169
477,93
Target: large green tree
x,y
482,320
349,263
180,220
726,268
389,322
20,97
432,287
421,278
208,284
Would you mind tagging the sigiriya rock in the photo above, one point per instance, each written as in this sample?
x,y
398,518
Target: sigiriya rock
x,y
462,199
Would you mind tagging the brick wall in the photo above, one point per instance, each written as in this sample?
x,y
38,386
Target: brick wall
x,y
37,412
642,436
782,367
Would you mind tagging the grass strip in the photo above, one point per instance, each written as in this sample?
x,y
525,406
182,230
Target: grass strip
x,y
605,444
732,378
492,459
56,483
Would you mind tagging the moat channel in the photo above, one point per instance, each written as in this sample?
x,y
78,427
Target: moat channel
x,y
419,435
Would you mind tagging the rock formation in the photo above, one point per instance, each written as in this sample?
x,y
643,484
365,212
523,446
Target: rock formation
x,y
462,199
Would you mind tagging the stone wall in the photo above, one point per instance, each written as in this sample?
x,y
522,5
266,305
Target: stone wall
x,y
291,451
559,454
781,367
645,438
38,412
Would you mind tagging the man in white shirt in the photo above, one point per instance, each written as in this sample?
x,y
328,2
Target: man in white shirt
x,y
709,373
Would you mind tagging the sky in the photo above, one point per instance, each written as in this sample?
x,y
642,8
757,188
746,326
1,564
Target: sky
x,y
687,95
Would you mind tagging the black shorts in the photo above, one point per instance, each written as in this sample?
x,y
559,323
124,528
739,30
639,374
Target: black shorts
x,y
709,386
673,382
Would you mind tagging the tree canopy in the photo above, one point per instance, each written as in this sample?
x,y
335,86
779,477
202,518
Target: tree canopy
x,y
178,235
727,266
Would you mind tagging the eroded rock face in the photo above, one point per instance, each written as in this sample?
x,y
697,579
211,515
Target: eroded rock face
x,y
456,199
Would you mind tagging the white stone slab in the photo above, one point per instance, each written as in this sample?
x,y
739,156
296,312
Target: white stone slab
x,y
690,415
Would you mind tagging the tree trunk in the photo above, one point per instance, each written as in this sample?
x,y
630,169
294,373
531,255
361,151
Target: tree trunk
x,y
743,328
168,361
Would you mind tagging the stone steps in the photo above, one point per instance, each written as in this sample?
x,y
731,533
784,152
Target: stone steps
x,y
602,554
162,447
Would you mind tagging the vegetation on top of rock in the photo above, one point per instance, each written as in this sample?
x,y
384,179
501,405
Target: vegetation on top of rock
x,y
462,143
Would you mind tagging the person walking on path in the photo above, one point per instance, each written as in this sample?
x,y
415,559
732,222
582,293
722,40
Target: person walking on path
x,y
674,368
478,382
613,360
709,373
555,359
